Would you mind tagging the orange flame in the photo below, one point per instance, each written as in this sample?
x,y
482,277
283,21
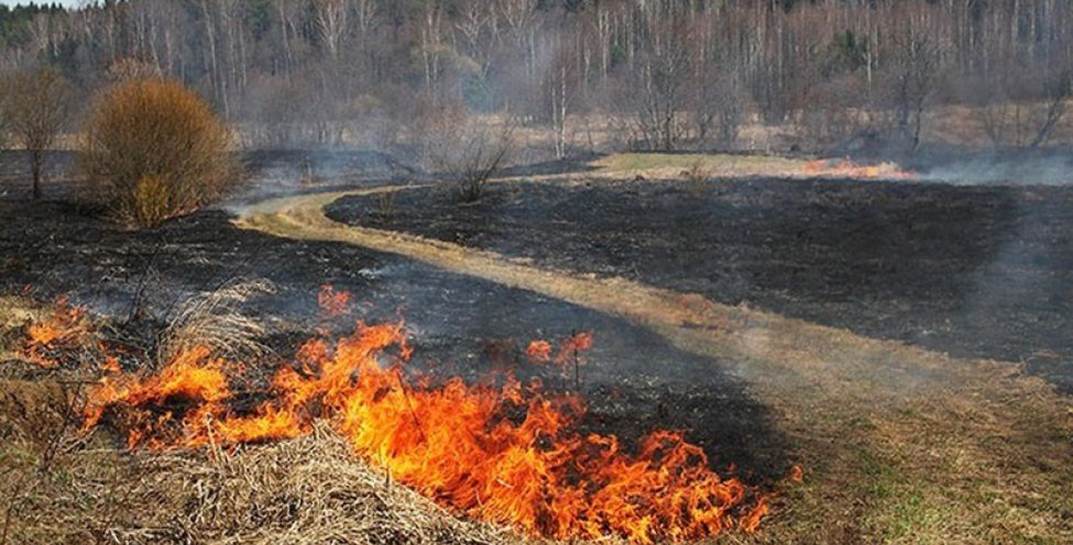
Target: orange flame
x,y
845,168
464,446
539,351
65,328
572,348
333,303
797,474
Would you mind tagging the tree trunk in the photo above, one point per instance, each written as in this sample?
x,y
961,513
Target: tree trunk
x,y
36,164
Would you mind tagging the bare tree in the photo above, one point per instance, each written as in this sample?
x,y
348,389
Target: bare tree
x,y
661,93
1058,88
561,84
38,106
331,21
915,71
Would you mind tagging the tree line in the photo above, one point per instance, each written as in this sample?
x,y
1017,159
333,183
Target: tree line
x,y
651,74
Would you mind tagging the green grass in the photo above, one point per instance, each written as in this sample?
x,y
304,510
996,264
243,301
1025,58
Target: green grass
x,y
717,164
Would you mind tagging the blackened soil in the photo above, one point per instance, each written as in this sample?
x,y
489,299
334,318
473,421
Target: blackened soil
x,y
974,271
460,325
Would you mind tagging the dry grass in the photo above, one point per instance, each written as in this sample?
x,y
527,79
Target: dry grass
x,y
309,490
15,312
215,320
60,486
672,166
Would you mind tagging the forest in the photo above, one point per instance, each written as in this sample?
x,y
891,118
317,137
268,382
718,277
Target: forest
x,y
586,75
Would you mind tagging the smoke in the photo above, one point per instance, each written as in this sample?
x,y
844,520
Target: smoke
x,y
1020,170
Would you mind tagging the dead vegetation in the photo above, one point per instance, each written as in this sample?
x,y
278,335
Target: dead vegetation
x,y
62,485
215,320
309,490
467,152
153,150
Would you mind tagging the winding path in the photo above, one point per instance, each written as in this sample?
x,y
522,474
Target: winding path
x,y
758,343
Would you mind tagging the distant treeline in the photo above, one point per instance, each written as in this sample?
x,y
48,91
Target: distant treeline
x,y
666,74
15,21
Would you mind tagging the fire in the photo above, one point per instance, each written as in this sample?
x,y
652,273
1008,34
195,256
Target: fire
x,y
539,351
797,474
573,347
333,303
845,168
506,452
65,328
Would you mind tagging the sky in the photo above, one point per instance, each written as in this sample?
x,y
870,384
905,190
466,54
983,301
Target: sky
x,y
68,3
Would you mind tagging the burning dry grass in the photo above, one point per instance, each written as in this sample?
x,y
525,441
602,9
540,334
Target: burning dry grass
x,y
307,490
500,451
60,486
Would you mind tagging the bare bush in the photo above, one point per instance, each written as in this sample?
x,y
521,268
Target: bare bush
x,y
1008,108
698,172
215,320
37,108
717,102
835,112
153,150
659,95
466,151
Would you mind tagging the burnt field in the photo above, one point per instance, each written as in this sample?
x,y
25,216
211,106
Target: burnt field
x,y
460,326
835,430
973,271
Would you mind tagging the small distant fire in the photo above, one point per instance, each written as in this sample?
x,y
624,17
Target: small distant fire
x,y
501,451
845,168
539,351
333,304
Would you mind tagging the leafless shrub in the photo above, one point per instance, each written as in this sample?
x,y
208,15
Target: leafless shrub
x,y
466,151
385,204
1007,111
658,96
215,320
718,109
698,172
913,81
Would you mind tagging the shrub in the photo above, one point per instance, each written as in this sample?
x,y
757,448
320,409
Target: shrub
x,y
464,150
149,203
154,150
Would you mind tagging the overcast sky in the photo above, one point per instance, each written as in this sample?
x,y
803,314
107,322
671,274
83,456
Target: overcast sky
x,y
69,3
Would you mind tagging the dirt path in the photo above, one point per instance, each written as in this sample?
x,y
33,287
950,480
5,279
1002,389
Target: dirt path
x,y
899,444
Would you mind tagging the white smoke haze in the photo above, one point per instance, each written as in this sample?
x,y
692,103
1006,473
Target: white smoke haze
x,y
1004,171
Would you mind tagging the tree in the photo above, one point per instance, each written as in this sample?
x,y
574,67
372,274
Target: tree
x,y
153,150
915,71
660,92
37,108
1058,87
